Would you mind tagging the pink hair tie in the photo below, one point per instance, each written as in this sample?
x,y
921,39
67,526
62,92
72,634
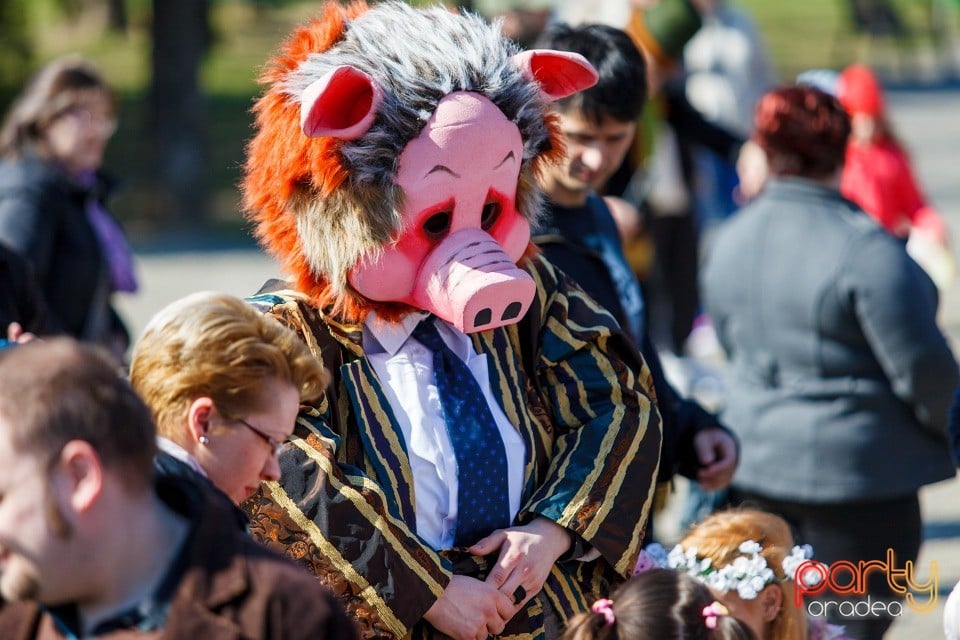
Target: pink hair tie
x,y
604,607
713,611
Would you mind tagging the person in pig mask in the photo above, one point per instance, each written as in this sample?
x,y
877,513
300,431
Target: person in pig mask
x,y
484,459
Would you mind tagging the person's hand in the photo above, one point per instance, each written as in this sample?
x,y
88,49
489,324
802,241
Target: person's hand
x,y
752,172
469,609
934,256
717,452
17,335
527,554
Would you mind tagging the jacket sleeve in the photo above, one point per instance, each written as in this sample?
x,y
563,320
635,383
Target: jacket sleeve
x,y
682,418
912,203
27,227
28,300
607,433
298,609
333,517
692,126
953,427
896,306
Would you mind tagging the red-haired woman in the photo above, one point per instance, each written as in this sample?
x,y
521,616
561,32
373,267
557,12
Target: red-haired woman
x,y
840,379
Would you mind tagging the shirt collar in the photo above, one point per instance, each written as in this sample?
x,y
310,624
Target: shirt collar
x,y
172,448
380,336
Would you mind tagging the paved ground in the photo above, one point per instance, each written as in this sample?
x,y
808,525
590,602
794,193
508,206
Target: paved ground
x,y
925,119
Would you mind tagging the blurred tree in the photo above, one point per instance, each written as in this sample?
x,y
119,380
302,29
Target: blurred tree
x,y
180,39
16,50
117,16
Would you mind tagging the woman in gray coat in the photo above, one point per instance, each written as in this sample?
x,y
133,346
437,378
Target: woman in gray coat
x,y
841,379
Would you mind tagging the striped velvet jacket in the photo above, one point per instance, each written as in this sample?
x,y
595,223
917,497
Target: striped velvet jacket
x,y
578,393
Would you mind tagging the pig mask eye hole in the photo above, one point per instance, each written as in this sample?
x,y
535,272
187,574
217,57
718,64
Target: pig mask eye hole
x,y
437,225
491,211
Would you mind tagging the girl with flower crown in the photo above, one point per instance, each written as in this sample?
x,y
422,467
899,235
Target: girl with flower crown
x,y
747,557
659,605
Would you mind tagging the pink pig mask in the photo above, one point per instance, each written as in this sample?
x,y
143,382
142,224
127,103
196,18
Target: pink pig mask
x,y
462,235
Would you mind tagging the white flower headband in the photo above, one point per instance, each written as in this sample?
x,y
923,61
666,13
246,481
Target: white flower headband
x,y
747,574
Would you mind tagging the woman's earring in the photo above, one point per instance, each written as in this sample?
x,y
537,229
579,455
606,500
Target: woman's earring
x,y
203,440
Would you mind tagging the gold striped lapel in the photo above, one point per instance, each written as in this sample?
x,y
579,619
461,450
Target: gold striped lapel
x,y
382,438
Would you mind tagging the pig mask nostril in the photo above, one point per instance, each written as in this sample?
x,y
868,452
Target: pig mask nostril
x,y
483,317
512,311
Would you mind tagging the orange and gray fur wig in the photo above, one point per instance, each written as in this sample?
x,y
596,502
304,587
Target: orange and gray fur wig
x,y
319,205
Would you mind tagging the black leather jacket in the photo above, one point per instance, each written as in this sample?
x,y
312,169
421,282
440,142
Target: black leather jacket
x,y
43,218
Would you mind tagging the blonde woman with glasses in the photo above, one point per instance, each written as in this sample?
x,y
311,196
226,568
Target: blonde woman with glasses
x,y
224,384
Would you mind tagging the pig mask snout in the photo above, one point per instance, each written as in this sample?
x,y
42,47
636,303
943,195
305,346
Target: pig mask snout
x,y
472,283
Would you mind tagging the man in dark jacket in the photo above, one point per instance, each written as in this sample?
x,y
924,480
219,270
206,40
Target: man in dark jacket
x,y
579,235
93,546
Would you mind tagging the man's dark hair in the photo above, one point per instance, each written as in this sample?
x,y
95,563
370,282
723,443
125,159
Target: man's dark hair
x,y
621,91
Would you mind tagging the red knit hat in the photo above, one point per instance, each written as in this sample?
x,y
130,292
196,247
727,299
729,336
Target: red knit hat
x,y
859,91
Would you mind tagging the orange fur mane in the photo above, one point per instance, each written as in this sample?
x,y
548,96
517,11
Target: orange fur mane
x,y
282,161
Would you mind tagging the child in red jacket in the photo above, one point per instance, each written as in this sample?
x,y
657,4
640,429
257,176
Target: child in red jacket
x,y
878,175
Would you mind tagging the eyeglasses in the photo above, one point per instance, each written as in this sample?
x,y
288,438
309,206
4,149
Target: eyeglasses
x,y
106,125
274,445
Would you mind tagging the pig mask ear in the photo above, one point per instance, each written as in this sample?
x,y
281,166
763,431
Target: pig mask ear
x,y
342,104
559,73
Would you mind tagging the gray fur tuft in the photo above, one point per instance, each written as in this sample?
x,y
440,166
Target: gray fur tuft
x,y
408,52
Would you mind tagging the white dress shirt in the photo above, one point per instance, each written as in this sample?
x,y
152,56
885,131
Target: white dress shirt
x,y
405,368
172,448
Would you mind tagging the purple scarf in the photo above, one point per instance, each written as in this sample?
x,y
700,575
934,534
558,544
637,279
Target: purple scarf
x,y
116,250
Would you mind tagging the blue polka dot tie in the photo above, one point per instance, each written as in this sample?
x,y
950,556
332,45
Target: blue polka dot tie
x,y
482,495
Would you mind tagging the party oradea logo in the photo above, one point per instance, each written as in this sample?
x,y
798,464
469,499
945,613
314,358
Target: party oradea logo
x,y
849,580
